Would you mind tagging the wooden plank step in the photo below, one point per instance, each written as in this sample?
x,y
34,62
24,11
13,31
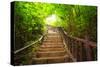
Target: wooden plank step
x,y
53,34
47,40
50,54
44,60
51,49
56,46
53,37
49,45
52,43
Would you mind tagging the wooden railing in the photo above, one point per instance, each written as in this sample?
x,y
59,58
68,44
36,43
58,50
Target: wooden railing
x,y
82,50
34,42
24,55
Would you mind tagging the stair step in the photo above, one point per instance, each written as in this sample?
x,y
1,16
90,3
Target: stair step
x,y
53,40
51,49
44,60
50,53
56,46
52,45
53,34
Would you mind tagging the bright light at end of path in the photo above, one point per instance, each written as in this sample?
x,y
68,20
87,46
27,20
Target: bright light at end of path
x,y
51,19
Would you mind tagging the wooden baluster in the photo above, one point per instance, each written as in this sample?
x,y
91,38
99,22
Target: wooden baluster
x,y
80,51
94,53
78,56
69,44
67,41
83,51
72,45
84,57
75,49
88,52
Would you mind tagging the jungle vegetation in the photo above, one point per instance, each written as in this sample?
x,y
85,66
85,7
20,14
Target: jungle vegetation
x,y
30,20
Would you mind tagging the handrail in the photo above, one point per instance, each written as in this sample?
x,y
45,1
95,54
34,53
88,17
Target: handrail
x,y
81,49
92,44
65,46
29,45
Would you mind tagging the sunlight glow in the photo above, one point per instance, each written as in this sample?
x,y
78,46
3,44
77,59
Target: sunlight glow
x,y
51,19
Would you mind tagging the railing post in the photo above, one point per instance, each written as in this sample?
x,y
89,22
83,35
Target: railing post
x,y
80,51
80,48
72,47
75,49
70,43
88,52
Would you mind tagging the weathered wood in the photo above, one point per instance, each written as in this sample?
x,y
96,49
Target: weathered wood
x,y
75,49
28,45
88,52
52,50
80,51
83,49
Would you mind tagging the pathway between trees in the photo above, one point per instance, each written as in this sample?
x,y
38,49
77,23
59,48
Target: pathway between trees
x,y
52,49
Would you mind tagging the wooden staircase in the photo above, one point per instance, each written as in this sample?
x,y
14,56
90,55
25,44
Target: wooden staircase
x,y
52,50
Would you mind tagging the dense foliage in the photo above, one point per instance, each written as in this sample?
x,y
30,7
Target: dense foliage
x,y
79,21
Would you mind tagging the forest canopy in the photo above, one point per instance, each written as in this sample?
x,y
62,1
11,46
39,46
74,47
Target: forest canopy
x,y
31,19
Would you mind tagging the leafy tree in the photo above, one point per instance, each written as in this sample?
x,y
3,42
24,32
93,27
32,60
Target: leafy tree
x,y
77,20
